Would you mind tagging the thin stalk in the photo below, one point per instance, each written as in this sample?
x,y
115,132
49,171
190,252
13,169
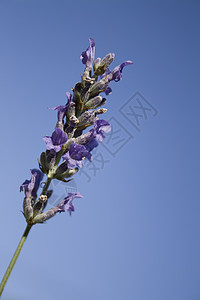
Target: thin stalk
x,y
14,258
46,185
21,243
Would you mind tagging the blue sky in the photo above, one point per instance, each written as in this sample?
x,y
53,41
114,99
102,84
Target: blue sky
x,y
135,234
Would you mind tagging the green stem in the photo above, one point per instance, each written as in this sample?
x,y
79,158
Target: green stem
x,y
20,245
46,185
14,259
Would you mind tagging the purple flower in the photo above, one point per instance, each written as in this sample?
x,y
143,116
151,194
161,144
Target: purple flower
x,y
88,55
101,126
71,163
62,109
66,203
75,155
56,141
31,186
78,152
116,74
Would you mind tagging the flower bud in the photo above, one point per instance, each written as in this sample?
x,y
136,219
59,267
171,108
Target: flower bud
x,y
43,163
100,111
97,63
94,102
62,171
39,205
71,110
77,97
50,159
40,218
99,87
84,138
103,65
87,118
28,210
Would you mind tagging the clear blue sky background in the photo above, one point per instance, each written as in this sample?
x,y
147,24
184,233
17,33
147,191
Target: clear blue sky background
x,y
135,235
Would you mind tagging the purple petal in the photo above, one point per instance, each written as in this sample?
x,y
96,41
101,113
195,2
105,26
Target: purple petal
x,y
66,203
57,139
100,127
72,163
48,141
62,109
38,178
31,186
108,91
69,97
78,152
91,145
28,186
116,74
88,55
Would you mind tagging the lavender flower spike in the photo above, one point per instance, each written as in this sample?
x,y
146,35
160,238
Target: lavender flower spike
x,y
56,141
88,55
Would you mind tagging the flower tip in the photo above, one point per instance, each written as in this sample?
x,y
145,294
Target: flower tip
x,y
130,62
79,195
92,42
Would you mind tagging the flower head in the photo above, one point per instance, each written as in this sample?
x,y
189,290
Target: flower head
x,y
81,111
56,141
88,55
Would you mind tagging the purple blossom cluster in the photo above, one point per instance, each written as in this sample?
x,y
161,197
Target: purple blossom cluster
x,y
71,141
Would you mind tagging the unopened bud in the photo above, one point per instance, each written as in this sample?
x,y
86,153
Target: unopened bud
x,y
97,63
73,121
86,118
72,109
106,61
100,111
67,174
43,163
39,205
40,218
98,87
28,209
94,102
